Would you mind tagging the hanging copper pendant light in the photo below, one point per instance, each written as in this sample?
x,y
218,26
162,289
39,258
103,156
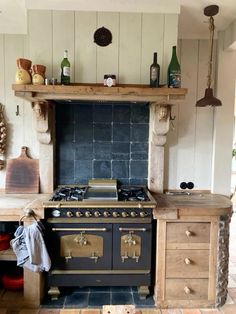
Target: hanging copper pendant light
x,y
209,99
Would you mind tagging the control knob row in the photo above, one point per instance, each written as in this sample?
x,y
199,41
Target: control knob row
x,y
107,214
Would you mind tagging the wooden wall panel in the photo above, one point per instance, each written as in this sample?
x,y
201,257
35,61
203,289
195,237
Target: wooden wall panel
x,y
63,35
130,48
108,57
85,49
152,24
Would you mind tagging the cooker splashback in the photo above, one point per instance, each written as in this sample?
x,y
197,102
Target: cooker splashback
x,y
102,140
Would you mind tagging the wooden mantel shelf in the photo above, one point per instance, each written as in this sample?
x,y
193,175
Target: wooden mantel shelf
x,y
136,93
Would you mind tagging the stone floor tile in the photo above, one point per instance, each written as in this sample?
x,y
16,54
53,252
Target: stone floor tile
x,y
228,309
232,293
150,311
231,282
233,276
90,311
191,311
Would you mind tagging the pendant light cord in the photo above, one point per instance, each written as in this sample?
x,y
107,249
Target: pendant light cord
x,y
211,28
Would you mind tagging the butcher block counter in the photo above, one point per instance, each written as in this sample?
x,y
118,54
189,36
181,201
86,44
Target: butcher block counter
x,y
191,247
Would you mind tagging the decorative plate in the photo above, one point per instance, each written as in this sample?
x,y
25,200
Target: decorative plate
x,y
102,37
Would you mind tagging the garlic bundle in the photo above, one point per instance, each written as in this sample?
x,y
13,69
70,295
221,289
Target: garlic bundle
x,y
3,132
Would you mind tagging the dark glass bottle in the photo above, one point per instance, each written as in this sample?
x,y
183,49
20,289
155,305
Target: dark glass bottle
x,y
154,72
174,72
65,69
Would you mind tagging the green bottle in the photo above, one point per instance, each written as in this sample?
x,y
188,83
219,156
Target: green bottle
x,y
65,69
154,72
174,72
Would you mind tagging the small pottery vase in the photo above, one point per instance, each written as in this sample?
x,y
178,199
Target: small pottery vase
x,y
23,75
38,74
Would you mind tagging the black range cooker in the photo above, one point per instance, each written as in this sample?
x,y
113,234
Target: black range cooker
x,y
100,235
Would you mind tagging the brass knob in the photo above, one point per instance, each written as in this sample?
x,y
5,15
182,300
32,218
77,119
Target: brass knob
x,y
143,214
124,214
133,214
78,214
69,214
187,261
115,214
97,214
188,233
88,214
187,290
106,214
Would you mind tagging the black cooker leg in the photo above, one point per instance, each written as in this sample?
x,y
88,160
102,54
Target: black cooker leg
x,y
54,292
143,292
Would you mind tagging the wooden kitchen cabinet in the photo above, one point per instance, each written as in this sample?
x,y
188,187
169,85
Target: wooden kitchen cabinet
x,y
187,252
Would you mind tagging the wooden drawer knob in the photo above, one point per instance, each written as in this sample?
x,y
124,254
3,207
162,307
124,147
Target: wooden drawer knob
x,y
187,261
187,290
188,233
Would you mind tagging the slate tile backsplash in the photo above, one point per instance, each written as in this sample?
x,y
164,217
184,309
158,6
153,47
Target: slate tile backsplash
x,y
107,140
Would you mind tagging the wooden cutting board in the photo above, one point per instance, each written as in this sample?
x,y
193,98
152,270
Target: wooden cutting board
x,y
22,174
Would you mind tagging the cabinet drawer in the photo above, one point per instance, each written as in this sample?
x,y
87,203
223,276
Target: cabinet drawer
x,y
187,263
188,232
186,289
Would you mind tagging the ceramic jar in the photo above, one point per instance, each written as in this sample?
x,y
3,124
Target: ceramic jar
x,y
23,73
38,74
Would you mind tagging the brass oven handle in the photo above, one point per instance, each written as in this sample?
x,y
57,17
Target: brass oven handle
x,y
132,229
80,229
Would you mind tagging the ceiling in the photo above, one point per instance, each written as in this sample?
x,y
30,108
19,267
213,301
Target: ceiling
x,y
192,21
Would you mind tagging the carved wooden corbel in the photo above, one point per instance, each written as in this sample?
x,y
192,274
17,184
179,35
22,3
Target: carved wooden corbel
x,y
41,112
158,129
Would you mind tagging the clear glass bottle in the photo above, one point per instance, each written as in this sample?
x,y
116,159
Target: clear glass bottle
x,y
154,72
174,71
65,69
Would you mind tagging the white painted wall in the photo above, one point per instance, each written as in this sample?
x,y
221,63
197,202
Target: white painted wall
x,y
135,37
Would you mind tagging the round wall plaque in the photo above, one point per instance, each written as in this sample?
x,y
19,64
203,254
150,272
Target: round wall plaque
x,y
102,36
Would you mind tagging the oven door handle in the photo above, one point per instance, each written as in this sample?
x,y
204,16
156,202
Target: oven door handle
x,y
132,229
80,229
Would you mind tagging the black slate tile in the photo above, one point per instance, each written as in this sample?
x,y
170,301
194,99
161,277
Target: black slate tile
x,y
120,169
102,169
120,289
121,132
102,132
65,132
138,169
84,133
102,150
102,113
99,299
83,170
84,113
139,151
66,151
83,151
65,172
121,298
140,113
120,151
148,302
76,300
121,113
139,132
142,181
65,113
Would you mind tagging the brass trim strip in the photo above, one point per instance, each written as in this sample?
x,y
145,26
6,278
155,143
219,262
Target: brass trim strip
x,y
80,229
100,204
100,220
132,229
99,272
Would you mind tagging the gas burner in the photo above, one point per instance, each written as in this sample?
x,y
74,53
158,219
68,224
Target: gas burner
x,y
69,194
132,193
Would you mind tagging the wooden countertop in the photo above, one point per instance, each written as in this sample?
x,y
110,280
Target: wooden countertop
x,y
173,206
12,206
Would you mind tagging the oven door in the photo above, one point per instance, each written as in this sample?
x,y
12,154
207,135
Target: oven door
x,y
132,246
80,246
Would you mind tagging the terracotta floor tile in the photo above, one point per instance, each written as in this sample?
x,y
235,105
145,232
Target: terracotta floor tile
x,y
29,311
171,311
150,311
71,311
228,309
191,311
49,311
210,311
90,311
